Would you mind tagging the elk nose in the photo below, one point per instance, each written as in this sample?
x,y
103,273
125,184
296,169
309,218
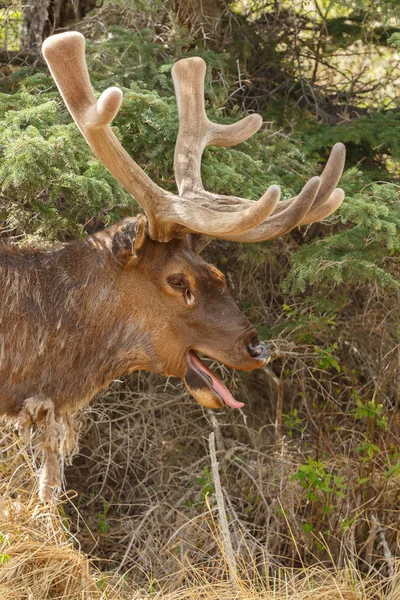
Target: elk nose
x,y
256,349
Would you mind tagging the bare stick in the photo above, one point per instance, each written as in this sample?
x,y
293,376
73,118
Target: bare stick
x,y
279,384
385,546
228,549
217,430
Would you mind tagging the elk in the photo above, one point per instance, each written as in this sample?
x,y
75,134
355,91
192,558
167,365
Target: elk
x,y
136,295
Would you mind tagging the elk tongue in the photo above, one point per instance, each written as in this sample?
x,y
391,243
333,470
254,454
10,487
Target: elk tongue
x,y
206,388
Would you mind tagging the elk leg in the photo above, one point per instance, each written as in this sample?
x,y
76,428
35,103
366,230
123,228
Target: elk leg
x,y
39,410
69,435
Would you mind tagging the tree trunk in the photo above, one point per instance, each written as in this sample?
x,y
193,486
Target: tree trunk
x,y
42,17
35,22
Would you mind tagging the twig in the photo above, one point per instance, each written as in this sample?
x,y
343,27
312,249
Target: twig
x,y
20,57
369,545
134,535
227,542
385,546
279,405
217,430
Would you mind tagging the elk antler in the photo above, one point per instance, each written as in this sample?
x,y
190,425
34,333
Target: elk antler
x,y
317,200
194,210
168,215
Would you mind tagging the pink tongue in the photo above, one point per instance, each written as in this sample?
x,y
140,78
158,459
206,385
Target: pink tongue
x,y
217,384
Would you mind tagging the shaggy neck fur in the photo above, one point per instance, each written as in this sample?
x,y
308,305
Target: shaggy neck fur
x,y
54,339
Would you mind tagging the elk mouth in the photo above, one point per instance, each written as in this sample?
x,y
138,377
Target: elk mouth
x,y
205,387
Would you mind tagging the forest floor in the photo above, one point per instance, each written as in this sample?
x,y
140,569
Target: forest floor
x,y
43,550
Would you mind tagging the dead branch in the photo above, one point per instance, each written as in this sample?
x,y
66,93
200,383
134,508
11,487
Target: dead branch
x,y
227,542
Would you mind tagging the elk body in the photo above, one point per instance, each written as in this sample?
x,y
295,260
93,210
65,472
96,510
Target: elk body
x,y
136,295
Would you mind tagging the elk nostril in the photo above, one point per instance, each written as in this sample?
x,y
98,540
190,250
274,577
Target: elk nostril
x,y
256,349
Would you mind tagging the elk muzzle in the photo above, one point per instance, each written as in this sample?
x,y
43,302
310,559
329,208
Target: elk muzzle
x,y
207,388
257,349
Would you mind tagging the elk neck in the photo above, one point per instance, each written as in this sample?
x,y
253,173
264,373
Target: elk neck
x,y
64,331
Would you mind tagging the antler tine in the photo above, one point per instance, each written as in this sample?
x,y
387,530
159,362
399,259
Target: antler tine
x,y
326,209
196,131
329,198
314,203
317,200
65,55
284,221
330,177
300,210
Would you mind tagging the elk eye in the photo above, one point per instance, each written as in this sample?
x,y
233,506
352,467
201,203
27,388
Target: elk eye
x,y
176,280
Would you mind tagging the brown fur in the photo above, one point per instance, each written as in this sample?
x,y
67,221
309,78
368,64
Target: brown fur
x,y
75,317
61,330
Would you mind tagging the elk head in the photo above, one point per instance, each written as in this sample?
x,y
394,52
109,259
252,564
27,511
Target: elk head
x,y
162,248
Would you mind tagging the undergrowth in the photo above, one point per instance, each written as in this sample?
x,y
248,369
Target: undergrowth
x,y
41,558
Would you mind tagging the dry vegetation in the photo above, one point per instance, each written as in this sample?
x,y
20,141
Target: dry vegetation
x,y
41,558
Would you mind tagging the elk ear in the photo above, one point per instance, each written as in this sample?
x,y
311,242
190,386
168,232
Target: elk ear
x,y
129,240
198,241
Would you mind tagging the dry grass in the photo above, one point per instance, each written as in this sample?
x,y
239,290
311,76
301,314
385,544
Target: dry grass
x,y
316,583
144,472
40,558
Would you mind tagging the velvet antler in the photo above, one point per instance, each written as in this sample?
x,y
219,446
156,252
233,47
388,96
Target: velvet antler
x,y
194,210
